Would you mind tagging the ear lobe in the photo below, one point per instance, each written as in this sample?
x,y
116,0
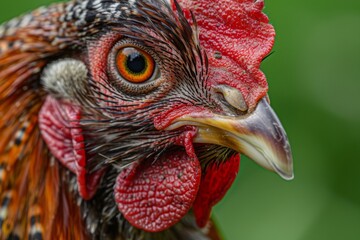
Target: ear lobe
x,y
66,79
59,122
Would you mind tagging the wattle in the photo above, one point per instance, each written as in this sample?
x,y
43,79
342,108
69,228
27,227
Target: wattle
x,y
157,193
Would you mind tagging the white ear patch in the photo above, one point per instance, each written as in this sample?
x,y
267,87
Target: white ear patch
x,y
64,78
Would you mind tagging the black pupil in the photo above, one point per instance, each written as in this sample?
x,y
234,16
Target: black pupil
x,y
136,63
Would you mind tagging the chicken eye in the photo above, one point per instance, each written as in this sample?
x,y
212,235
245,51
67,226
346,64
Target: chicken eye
x,y
135,65
135,69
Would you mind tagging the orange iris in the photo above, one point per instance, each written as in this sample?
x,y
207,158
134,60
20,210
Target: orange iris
x,y
135,65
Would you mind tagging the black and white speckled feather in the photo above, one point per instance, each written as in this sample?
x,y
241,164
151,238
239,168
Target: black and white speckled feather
x,y
65,31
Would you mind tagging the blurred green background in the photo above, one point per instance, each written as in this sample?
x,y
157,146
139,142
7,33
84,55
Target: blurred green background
x,y
314,78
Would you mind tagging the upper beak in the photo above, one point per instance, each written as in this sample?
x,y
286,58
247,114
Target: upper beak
x,y
259,135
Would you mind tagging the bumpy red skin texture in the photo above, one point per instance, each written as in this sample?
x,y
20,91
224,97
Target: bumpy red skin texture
x,y
217,179
214,185
155,195
241,33
166,118
100,54
60,129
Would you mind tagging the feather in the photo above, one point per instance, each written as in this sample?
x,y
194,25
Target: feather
x,y
36,202
39,197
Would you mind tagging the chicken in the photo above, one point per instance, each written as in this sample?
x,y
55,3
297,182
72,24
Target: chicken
x,y
125,119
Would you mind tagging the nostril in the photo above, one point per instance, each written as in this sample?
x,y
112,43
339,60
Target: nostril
x,y
232,96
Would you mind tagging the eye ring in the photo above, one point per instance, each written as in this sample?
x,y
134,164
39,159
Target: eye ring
x,y
134,64
139,80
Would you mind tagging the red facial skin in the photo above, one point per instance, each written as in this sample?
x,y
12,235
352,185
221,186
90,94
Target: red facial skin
x,y
99,54
239,31
154,196
215,183
236,37
216,180
60,128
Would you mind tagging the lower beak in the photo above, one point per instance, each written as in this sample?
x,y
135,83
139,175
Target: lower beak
x,y
259,135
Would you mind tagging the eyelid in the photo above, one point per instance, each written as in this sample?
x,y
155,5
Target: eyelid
x,y
124,85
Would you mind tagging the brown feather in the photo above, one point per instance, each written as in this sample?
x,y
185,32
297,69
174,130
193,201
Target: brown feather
x,y
36,184
32,180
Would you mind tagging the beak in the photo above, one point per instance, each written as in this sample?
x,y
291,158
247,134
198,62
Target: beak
x,y
259,135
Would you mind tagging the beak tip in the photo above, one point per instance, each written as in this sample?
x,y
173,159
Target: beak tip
x,y
288,174
287,177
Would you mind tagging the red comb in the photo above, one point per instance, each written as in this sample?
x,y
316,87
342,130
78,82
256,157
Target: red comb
x,y
239,32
